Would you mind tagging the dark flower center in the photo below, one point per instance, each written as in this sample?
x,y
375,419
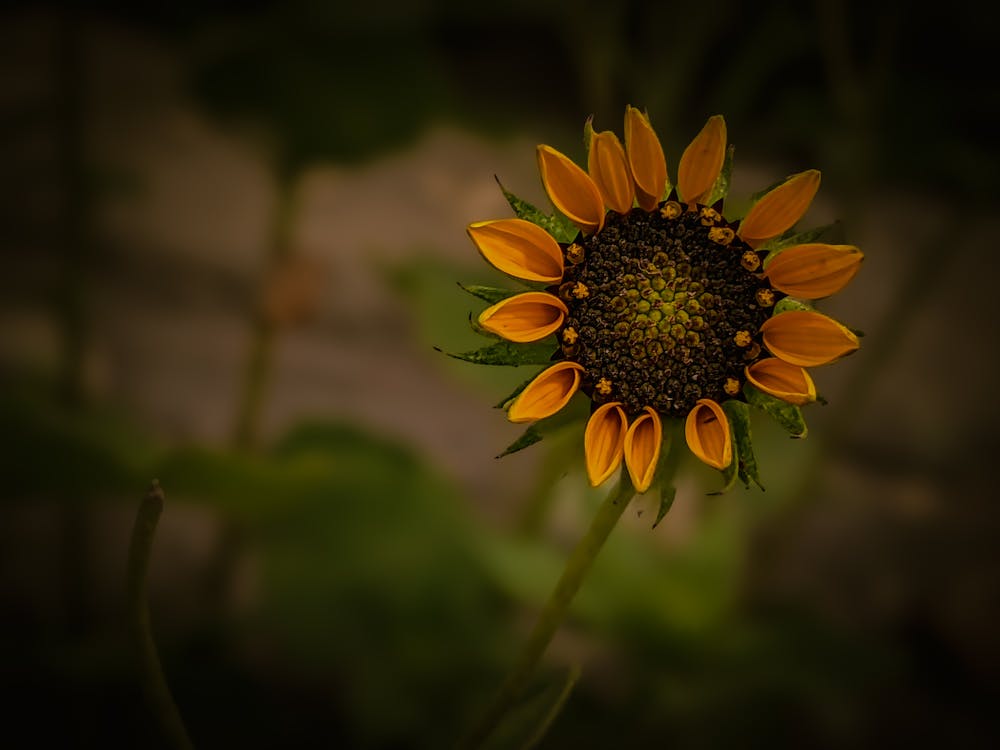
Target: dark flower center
x,y
665,308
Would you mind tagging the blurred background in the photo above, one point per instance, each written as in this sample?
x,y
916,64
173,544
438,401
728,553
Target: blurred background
x,y
231,236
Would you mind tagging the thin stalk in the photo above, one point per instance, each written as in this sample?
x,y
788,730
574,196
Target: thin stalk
x,y
264,331
74,225
555,610
151,678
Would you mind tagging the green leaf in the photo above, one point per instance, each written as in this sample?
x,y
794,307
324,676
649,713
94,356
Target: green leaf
x,y
526,721
508,353
572,676
720,188
790,239
528,438
790,304
561,228
490,294
744,460
787,415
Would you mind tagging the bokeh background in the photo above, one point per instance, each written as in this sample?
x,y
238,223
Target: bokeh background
x,y
231,237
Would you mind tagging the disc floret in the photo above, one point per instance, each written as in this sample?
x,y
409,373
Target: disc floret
x,y
666,303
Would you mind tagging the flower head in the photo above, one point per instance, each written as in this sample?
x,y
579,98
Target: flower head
x,y
657,307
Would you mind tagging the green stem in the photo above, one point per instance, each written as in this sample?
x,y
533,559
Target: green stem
x,y
555,610
76,205
154,684
264,331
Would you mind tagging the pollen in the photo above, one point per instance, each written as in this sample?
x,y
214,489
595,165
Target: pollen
x,y
722,235
765,297
743,338
574,253
570,336
603,387
731,387
580,291
671,210
750,260
710,217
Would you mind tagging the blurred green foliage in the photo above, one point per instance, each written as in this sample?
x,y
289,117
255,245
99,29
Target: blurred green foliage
x,y
377,588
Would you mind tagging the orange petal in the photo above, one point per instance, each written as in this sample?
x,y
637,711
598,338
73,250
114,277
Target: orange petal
x,y
813,271
806,338
524,317
780,208
707,433
608,168
571,190
782,380
547,393
642,448
645,159
702,161
519,248
603,442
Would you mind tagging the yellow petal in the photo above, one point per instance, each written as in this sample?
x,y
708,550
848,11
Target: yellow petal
x,y
525,317
603,442
807,339
609,170
782,380
547,393
702,161
707,433
780,208
813,271
645,159
571,190
519,248
642,448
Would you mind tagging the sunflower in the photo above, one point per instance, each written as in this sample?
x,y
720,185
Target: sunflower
x,y
642,296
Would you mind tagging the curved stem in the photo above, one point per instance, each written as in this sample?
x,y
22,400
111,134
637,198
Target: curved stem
x,y
554,612
154,684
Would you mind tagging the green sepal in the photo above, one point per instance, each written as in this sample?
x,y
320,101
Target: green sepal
x,y
791,239
667,191
728,475
480,331
667,495
489,294
744,463
561,228
787,415
666,469
755,197
720,188
528,438
588,134
791,304
514,394
508,353
576,410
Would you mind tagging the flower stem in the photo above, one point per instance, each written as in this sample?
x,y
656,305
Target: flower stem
x,y
554,612
154,684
